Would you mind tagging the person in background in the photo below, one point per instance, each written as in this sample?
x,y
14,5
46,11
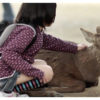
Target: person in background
x,y
8,15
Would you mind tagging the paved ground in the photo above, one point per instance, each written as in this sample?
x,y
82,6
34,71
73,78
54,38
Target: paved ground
x,y
69,18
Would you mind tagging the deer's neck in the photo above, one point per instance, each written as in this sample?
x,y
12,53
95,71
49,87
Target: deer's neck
x,y
96,53
88,63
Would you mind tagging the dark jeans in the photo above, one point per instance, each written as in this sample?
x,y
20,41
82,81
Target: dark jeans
x,y
8,83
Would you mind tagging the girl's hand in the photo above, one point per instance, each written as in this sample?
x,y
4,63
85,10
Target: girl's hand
x,y
81,47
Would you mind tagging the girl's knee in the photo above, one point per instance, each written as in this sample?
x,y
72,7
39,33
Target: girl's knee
x,y
48,74
40,62
48,71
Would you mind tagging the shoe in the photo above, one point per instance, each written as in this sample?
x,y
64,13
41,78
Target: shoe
x,y
12,94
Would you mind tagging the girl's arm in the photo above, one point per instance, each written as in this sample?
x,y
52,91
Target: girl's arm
x,y
52,43
12,54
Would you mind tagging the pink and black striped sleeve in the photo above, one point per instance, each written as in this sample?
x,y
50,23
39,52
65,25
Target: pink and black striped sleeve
x,y
12,54
56,44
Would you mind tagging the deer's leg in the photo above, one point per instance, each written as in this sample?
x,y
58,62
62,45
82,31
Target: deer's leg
x,y
55,91
68,85
90,84
43,92
77,88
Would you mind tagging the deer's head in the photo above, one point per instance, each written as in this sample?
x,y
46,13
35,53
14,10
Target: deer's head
x,y
92,37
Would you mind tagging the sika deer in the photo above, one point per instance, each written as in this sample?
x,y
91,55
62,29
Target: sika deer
x,y
73,73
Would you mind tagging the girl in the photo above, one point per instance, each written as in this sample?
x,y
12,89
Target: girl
x,y
18,69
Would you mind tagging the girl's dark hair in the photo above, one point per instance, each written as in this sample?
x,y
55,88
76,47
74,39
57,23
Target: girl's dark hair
x,y
37,14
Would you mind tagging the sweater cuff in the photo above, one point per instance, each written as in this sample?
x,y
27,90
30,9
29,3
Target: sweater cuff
x,y
74,47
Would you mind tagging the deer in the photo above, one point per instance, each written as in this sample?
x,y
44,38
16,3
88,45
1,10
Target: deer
x,y
72,72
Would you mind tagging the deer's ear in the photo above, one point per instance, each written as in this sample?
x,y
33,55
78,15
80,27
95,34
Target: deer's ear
x,y
88,35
